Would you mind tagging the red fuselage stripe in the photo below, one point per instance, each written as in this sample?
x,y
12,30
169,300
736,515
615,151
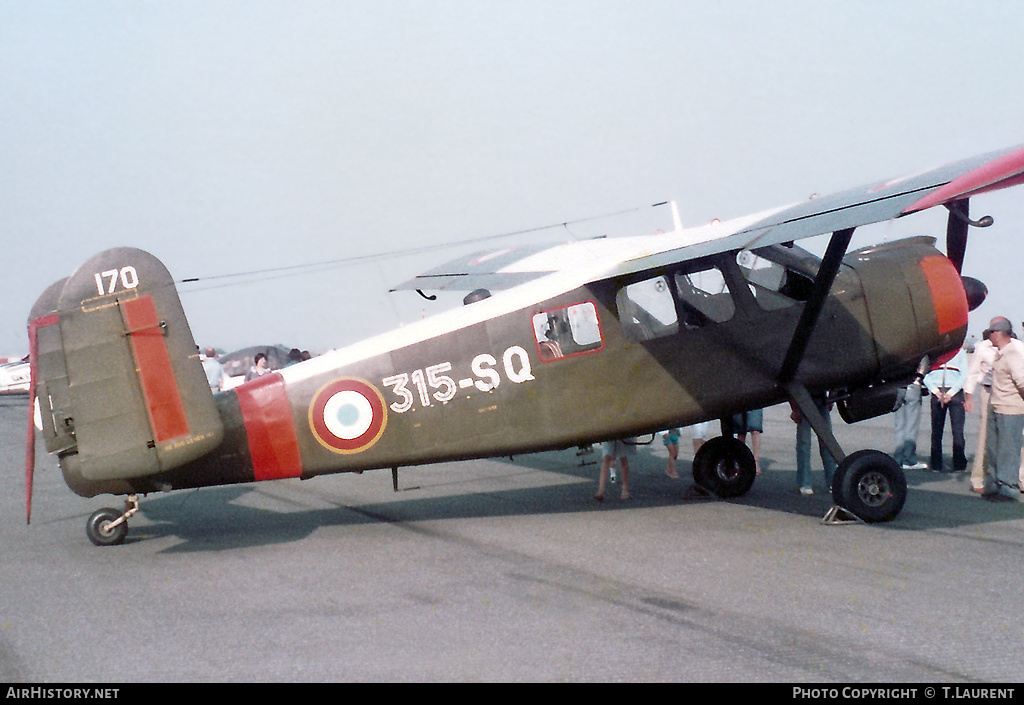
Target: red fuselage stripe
x,y
159,387
267,415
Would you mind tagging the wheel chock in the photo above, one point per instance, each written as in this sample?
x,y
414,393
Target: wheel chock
x,y
695,491
838,516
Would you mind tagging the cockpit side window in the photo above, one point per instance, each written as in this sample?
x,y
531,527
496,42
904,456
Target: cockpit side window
x,y
665,304
704,297
567,331
647,309
773,284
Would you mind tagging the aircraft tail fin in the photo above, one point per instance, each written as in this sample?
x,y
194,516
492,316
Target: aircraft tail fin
x,y
121,391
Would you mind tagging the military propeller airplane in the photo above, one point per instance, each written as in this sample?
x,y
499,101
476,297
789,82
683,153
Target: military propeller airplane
x,y
583,342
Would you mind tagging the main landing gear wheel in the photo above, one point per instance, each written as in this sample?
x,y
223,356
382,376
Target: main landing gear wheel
x,y
724,466
109,527
102,530
871,485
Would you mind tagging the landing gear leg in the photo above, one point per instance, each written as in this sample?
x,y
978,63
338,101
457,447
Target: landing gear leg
x,y
108,527
868,486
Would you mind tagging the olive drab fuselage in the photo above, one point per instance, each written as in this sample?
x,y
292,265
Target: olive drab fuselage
x,y
615,357
581,342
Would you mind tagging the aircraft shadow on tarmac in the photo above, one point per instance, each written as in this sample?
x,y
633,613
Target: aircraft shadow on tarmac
x,y
222,518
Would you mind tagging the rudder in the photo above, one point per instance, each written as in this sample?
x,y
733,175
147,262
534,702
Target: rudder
x,y
125,391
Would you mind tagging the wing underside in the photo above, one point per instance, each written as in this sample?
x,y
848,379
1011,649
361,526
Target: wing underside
x,y
873,203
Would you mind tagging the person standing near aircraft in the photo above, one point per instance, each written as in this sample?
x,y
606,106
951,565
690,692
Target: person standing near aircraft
x,y
979,381
214,370
945,383
699,434
259,367
671,441
610,450
803,447
1005,414
739,425
907,420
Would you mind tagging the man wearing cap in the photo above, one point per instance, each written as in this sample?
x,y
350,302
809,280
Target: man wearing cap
x,y
1006,413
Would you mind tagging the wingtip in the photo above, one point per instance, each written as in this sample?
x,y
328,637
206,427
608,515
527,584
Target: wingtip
x,y
1003,171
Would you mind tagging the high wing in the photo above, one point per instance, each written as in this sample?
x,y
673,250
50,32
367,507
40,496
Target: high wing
x,y
872,203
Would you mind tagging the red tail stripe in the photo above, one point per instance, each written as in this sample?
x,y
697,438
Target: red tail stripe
x,y
159,387
267,416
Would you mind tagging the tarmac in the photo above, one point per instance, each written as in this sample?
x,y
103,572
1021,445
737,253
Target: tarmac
x,y
507,570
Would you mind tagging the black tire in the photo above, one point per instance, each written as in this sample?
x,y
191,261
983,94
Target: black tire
x,y
97,528
724,466
871,485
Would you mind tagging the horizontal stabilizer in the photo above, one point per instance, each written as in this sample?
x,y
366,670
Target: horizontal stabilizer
x,y
489,269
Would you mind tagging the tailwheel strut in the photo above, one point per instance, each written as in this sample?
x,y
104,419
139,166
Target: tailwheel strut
x,y
108,527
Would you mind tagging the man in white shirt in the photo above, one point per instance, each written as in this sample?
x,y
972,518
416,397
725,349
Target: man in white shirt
x,y
945,383
213,369
977,384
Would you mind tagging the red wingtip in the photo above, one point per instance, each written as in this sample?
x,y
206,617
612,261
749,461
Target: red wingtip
x,y
1002,172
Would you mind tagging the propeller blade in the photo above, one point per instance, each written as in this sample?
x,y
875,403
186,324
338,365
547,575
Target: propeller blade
x,y
30,443
30,453
956,233
30,447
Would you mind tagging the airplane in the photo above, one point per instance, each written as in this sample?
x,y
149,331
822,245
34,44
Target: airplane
x,y
14,377
555,348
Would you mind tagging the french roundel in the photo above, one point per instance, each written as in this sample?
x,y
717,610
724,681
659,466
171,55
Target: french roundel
x,y
347,415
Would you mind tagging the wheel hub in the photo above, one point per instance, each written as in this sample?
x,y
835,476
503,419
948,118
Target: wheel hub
x,y
873,489
728,470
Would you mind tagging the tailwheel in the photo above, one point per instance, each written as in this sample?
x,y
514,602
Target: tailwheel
x,y
871,485
109,527
725,467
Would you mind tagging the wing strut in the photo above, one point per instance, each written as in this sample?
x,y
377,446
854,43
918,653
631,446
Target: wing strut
x,y
802,335
812,308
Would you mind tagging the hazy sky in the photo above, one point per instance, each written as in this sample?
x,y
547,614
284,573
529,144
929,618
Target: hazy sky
x,y
228,137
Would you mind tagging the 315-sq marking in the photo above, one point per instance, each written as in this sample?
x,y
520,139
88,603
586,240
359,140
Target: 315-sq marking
x,y
486,377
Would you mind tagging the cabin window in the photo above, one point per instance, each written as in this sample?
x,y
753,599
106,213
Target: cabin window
x,y
647,309
567,331
704,297
774,285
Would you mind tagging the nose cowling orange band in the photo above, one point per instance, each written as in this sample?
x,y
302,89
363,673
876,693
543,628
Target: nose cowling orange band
x,y
947,293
